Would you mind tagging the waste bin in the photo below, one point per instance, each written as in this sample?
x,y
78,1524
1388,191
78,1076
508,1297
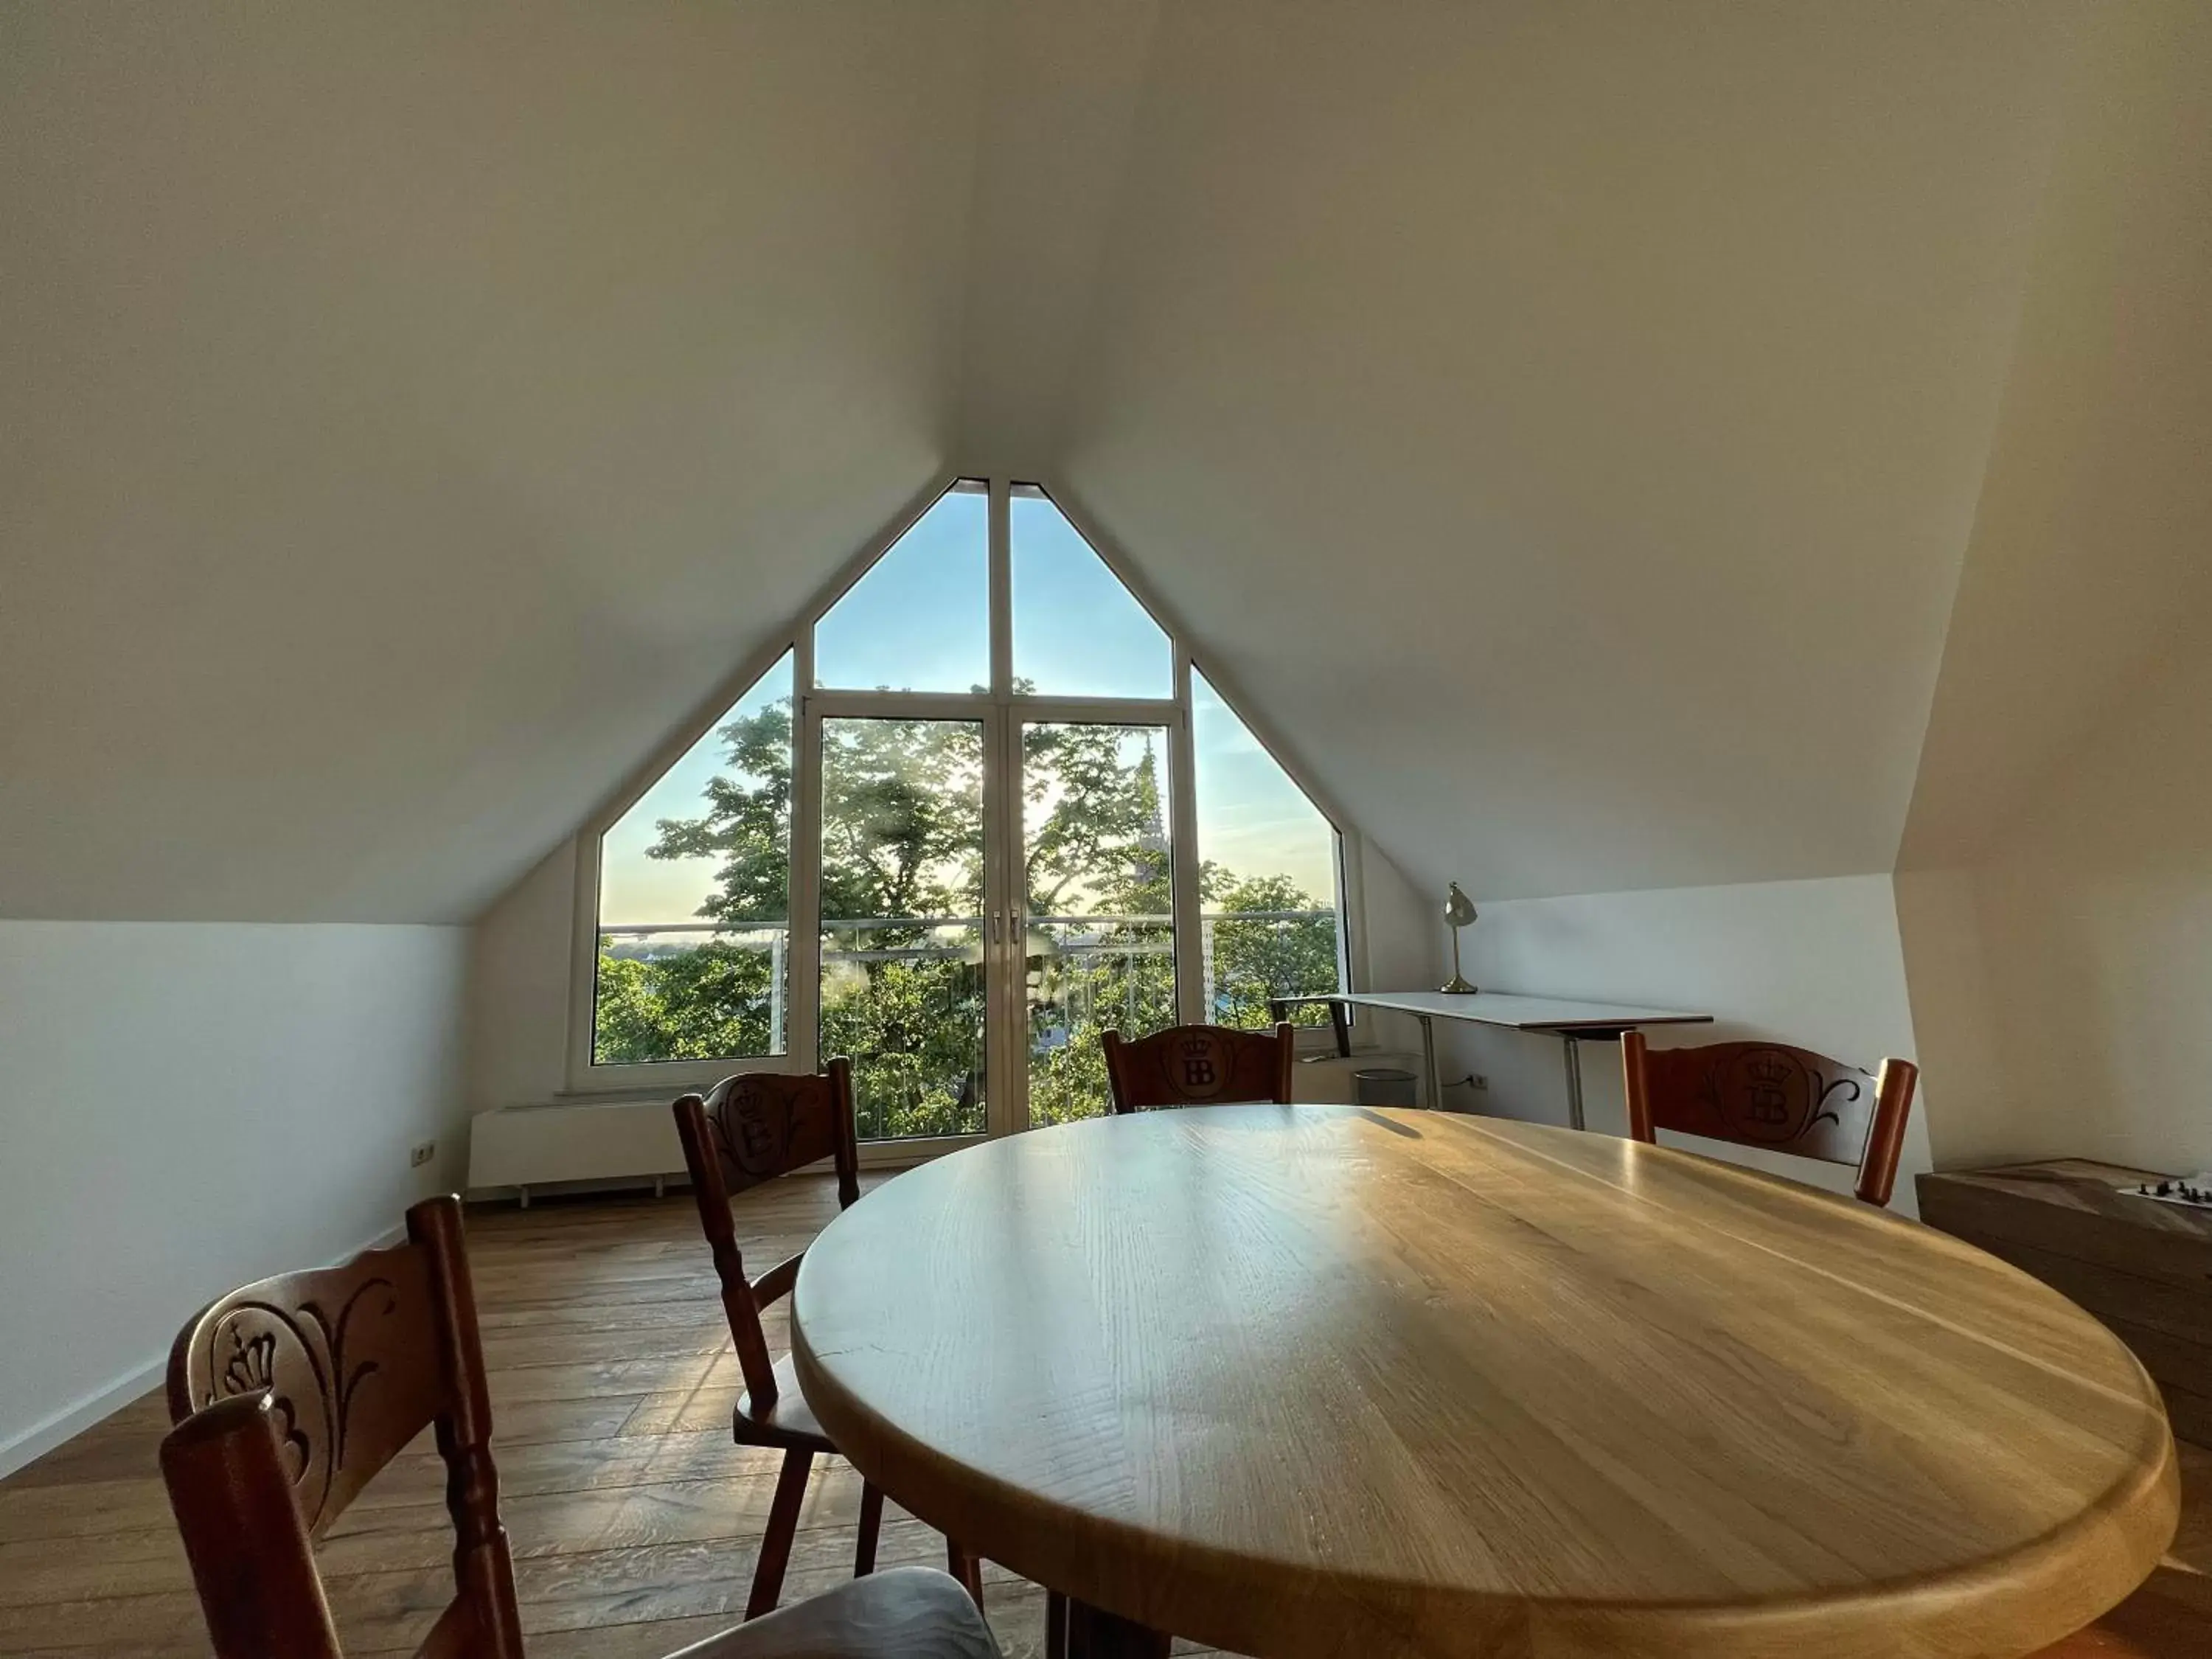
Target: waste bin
x,y
1384,1085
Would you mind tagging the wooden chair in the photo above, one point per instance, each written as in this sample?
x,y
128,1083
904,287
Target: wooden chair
x,y
290,1394
1767,1093
1198,1065
748,1129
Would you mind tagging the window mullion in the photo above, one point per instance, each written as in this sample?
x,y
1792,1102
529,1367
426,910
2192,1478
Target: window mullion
x,y
1002,593
803,947
1182,811
1101,711
1004,986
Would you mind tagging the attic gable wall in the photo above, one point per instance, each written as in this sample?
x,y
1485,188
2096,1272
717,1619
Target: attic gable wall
x,y
1561,421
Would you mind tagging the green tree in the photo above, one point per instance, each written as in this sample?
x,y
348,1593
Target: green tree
x,y
747,822
1261,959
693,1004
903,843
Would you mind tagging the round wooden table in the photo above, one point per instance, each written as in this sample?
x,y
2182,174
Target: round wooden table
x,y
1326,1380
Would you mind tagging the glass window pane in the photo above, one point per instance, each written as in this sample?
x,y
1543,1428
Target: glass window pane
x,y
902,922
1098,875
1267,881
919,619
1078,632
695,896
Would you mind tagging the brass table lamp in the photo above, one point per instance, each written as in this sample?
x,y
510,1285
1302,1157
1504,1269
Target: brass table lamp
x,y
1459,910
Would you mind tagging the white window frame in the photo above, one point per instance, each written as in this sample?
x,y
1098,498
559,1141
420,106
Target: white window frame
x,y
1003,713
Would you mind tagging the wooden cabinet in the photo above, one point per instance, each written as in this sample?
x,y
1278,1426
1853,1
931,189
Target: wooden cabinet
x,y
2144,1268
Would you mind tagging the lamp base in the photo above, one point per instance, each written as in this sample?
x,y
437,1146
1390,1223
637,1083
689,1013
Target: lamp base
x,y
1457,987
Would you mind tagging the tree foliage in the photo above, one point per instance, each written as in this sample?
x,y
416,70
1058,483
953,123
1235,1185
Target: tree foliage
x,y
902,877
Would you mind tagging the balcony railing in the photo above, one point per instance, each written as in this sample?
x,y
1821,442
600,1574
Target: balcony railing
x,y
1087,941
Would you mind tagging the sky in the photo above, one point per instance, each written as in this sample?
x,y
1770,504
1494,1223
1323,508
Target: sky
x,y
919,620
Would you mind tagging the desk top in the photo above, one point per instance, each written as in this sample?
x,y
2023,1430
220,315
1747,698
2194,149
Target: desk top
x,y
1521,1013
1311,1381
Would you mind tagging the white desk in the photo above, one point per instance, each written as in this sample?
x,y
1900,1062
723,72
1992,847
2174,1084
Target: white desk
x,y
1573,1023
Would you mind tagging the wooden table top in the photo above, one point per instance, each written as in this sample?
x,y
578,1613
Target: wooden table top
x,y
1315,1381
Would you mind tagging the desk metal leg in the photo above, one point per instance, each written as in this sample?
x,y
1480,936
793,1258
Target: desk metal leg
x,y
1574,1079
1434,1100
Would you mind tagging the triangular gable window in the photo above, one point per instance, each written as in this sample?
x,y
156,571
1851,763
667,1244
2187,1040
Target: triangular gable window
x,y
919,619
1268,884
695,896
948,833
1078,631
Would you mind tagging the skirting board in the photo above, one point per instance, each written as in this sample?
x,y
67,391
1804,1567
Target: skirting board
x,y
71,1421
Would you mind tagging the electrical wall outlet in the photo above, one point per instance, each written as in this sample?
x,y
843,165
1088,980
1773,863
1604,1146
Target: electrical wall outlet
x,y
1476,1080
421,1154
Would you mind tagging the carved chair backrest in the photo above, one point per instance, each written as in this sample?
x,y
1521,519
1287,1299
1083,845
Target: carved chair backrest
x,y
750,1128
308,1383
1198,1065
1768,1094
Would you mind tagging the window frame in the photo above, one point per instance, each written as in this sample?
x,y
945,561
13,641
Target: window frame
x,y
588,1080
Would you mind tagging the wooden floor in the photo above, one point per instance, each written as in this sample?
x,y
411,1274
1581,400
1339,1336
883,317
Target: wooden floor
x,y
634,1517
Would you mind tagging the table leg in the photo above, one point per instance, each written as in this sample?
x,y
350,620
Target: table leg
x,y
1095,1633
1434,1100
1574,1079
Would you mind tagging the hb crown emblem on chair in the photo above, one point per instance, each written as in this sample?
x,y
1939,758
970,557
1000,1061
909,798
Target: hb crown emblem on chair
x,y
1199,1066
1767,1099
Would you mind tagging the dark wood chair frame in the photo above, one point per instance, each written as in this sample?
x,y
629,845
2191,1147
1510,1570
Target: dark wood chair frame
x,y
1770,1095
290,1394
1199,1066
746,1130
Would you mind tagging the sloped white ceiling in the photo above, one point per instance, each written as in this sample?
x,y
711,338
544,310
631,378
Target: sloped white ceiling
x,y
413,409
1563,421
1566,420
2089,571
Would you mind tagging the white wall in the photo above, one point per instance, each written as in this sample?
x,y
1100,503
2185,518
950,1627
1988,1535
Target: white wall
x,y
186,1106
2056,871
1406,932
2097,923
2084,986
1816,963
518,992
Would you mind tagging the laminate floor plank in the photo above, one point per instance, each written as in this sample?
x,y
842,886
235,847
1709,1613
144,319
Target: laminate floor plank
x,y
597,1345
634,1519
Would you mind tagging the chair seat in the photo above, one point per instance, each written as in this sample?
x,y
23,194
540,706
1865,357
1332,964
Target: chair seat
x,y
787,1422
907,1612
